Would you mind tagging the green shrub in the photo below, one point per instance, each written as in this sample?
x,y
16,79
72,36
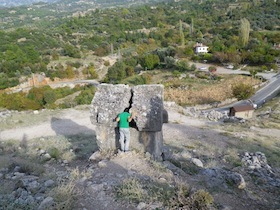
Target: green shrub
x,y
242,91
18,101
86,95
49,96
140,80
54,153
116,73
92,73
107,63
183,66
149,61
6,82
201,200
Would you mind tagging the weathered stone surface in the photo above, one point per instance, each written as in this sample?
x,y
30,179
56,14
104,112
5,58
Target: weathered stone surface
x,y
109,100
46,203
153,143
220,178
146,101
148,105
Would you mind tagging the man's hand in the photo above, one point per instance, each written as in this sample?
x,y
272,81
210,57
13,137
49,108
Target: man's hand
x,y
132,115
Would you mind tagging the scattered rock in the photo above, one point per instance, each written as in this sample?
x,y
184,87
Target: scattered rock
x,y
102,164
95,156
221,178
197,162
49,183
36,112
256,164
46,203
141,205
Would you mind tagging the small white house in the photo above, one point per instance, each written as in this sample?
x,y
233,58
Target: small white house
x,y
200,48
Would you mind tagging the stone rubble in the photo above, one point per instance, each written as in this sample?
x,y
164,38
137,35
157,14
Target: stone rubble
x,y
221,178
256,164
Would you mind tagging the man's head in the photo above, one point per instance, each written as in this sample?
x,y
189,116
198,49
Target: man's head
x,y
126,110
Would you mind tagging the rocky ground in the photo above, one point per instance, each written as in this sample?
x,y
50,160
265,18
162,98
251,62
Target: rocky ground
x,y
236,163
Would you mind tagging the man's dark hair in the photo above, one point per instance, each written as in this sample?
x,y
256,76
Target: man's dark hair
x,y
126,110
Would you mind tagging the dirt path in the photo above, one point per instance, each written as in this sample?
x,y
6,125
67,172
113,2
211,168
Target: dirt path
x,y
72,121
69,122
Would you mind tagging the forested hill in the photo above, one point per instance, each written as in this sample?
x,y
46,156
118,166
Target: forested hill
x,y
31,37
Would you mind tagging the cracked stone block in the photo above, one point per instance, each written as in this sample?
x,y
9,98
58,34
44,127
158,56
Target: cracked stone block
x,y
146,101
108,101
148,106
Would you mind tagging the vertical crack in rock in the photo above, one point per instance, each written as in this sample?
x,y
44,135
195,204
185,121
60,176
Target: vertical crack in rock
x,y
133,123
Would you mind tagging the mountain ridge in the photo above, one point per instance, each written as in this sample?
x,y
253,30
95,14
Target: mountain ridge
x,y
17,3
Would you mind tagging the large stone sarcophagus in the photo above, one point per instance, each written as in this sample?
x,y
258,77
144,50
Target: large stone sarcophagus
x,y
146,101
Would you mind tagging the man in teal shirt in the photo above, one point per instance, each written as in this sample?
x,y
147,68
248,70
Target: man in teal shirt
x,y
123,120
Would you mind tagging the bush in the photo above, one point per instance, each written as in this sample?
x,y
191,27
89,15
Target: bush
x,y
212,69
116,73
201,200
140,80
183,66
18,101
54,153
6,82
86,96
149,61
49,96
242,91
107,63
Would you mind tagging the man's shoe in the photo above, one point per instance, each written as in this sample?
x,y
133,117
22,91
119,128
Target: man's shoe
x,y
120,151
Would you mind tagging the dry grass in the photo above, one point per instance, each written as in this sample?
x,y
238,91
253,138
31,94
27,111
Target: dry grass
x,y
66,194
19,119
203,93
131,190
177,196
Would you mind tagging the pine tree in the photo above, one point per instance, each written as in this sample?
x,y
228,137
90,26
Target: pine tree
x,y
182,36
244,31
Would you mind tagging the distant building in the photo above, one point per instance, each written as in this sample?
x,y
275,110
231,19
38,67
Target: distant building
x,y
200,48
242,111
276,46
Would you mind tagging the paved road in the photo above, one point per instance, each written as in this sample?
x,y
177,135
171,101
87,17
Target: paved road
x,y
266,93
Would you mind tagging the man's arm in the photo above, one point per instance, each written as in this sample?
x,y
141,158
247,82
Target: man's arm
x,y
130,117
118,119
